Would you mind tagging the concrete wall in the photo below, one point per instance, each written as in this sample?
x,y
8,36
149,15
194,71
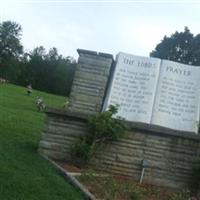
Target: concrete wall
x,y
170,158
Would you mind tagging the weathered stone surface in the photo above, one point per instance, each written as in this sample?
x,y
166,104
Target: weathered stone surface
x,y
92,68
90,81
170,158
170,155
94,54
90,76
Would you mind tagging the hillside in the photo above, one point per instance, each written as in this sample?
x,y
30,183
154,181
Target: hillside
x,y
24,175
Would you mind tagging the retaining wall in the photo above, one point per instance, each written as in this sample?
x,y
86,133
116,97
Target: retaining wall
x,y
170,158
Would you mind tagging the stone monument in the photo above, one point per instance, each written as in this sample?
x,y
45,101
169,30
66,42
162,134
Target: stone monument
x,y
170,156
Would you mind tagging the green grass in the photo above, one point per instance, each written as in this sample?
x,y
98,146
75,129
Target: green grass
x,y
24,175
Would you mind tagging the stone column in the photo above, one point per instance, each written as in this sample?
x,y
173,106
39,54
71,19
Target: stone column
x,y
90,81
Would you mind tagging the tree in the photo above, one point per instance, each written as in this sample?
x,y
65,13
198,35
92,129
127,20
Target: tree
x,y
46,71
49,72
182,47
53,54
39,52
10,46
10,49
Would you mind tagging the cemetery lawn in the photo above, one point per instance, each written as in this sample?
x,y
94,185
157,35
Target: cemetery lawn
x,y
24,175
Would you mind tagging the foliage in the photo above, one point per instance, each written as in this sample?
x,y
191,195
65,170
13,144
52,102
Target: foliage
x,y
24,175
46,71
110,187
102,128
10,49
181,195
10,45
196,177
81,151
135,195
182,47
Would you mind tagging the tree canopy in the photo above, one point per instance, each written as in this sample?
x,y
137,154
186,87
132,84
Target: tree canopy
x,y
10,36
49,72
46,71
182,47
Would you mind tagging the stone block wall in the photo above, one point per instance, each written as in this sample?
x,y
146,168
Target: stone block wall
x,y
90,81
60,132
170,158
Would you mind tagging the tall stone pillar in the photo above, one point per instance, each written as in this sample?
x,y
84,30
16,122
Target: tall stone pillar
x,y
90,81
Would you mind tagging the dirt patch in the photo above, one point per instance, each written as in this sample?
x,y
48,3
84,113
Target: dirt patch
x,y
110,187
69,167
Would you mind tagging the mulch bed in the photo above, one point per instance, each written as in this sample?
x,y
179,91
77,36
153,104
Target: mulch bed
x,y
112,187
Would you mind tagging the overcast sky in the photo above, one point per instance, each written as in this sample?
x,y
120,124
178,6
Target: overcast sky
x,y
133,27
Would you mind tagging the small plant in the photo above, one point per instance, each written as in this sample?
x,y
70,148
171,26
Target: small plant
x,y
66,104
182,195
135,195
196,178
102,128
80,152
88,176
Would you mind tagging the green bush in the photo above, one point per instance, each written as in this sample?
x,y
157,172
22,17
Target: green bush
x,y
135,195
102,127
81,152
196,177
182,195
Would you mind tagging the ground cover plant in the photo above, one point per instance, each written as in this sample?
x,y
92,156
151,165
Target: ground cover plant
x,y
24,175
110,187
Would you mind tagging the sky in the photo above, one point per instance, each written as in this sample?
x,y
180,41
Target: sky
x,y
109,26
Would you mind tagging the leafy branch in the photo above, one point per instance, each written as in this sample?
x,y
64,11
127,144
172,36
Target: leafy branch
x,y
102,128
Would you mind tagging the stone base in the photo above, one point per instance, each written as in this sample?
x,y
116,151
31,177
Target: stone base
x,y
170,158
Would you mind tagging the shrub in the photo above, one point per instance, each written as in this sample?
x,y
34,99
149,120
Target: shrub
x,y
196,177
135,195
182,195
102,127
80,152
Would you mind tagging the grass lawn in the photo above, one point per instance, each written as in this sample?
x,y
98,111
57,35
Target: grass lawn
x,y
24,175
